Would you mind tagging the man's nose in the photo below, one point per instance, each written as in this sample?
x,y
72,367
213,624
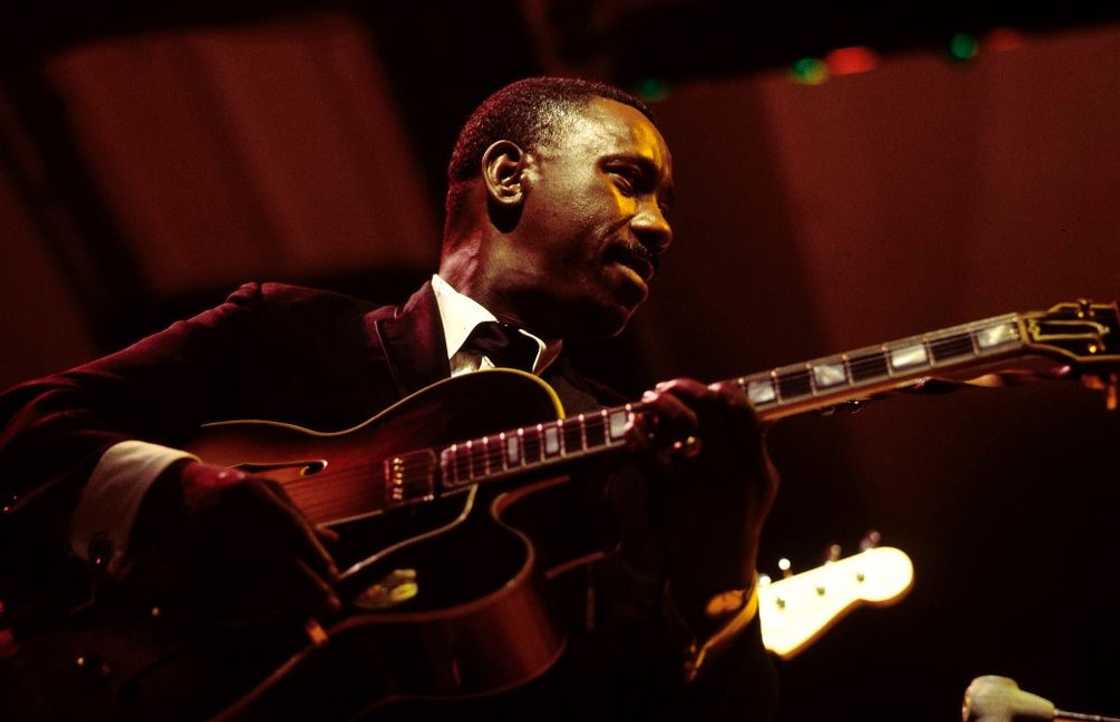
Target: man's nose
x,y
652,228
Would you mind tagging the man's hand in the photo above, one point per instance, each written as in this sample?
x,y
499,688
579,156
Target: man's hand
x,y
232,546
716,487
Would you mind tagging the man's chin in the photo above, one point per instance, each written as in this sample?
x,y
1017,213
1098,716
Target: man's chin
x,y
605,320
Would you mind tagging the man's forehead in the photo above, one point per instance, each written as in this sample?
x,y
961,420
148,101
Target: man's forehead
x,y
608,127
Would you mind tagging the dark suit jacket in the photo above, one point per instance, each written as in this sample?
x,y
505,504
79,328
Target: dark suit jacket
x,y
327,361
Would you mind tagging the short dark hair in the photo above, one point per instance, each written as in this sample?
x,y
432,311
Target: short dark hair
x,y
528,112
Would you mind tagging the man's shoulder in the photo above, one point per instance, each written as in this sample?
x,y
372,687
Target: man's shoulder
x,y
285,295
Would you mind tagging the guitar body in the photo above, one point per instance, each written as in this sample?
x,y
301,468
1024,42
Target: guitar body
x,y
448,599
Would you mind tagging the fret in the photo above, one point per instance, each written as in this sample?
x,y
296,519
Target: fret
x,y
868,366
477,460
532,444
595,430
794,384
951,347
495,453
582,432
445,467
462,463
572,434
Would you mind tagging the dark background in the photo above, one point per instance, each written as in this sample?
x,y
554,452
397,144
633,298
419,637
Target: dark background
x,y
151,160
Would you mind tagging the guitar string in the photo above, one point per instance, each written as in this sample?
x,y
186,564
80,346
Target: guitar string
x,y
321,499
483,460
313,496
341,489
486,459
479,452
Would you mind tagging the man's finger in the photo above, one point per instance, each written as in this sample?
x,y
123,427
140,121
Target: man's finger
x,y
675,418
331,603
290,522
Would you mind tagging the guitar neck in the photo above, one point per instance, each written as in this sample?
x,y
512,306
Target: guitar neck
x,y
774,394
862,373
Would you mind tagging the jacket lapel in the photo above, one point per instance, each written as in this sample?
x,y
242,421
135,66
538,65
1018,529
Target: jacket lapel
x,y
413,341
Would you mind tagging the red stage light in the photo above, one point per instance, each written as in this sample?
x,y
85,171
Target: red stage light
x,y
849,61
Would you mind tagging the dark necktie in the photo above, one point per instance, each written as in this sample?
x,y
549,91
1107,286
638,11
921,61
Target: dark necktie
x,y
504,345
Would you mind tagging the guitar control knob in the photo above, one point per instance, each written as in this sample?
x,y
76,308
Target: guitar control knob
x,y
784,566
870,540
834,552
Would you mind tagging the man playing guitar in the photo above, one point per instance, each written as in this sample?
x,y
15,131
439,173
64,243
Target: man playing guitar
x,y
559,192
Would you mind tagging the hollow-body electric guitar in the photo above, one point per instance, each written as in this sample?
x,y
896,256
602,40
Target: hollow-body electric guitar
x,y
474,468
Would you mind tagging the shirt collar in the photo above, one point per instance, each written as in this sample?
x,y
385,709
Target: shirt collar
x,y
460,314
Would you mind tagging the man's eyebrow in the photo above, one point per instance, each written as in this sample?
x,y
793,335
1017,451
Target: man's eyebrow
x,y
647,168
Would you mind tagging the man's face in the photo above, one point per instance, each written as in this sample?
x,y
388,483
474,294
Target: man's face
x,y
594,222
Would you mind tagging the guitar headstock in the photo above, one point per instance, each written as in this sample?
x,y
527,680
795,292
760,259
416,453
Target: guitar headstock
x,y
1084,332
796,610
1086,336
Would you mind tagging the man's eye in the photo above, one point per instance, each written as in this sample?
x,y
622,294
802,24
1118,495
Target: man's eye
x,y
624,182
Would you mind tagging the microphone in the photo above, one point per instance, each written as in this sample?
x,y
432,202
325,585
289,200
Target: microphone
x,y
998,699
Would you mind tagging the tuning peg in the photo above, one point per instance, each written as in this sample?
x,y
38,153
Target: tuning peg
x,y
784,566
870,540
833,553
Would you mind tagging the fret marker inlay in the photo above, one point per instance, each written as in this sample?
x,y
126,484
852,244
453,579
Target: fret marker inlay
x,y
551,440
618,420
761,392
997,335
826,375
909,356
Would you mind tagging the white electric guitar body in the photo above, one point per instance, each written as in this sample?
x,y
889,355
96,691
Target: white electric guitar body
x,y
796,610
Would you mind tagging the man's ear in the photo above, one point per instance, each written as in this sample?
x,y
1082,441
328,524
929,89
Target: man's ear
x,y
503,166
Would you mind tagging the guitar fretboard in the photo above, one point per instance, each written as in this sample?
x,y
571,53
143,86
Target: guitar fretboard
x,y
783,391
833,379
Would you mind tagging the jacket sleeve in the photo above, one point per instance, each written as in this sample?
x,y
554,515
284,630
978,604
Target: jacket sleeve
x,y
57,429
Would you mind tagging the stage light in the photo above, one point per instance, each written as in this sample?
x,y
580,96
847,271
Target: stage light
x,y
849,61
963,46
652,90
809,71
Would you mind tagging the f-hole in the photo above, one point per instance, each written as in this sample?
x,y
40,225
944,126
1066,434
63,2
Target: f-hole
x,y
307,467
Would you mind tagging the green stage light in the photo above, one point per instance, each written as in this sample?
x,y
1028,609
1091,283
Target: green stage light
x,y
963,46
809,71
652,90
